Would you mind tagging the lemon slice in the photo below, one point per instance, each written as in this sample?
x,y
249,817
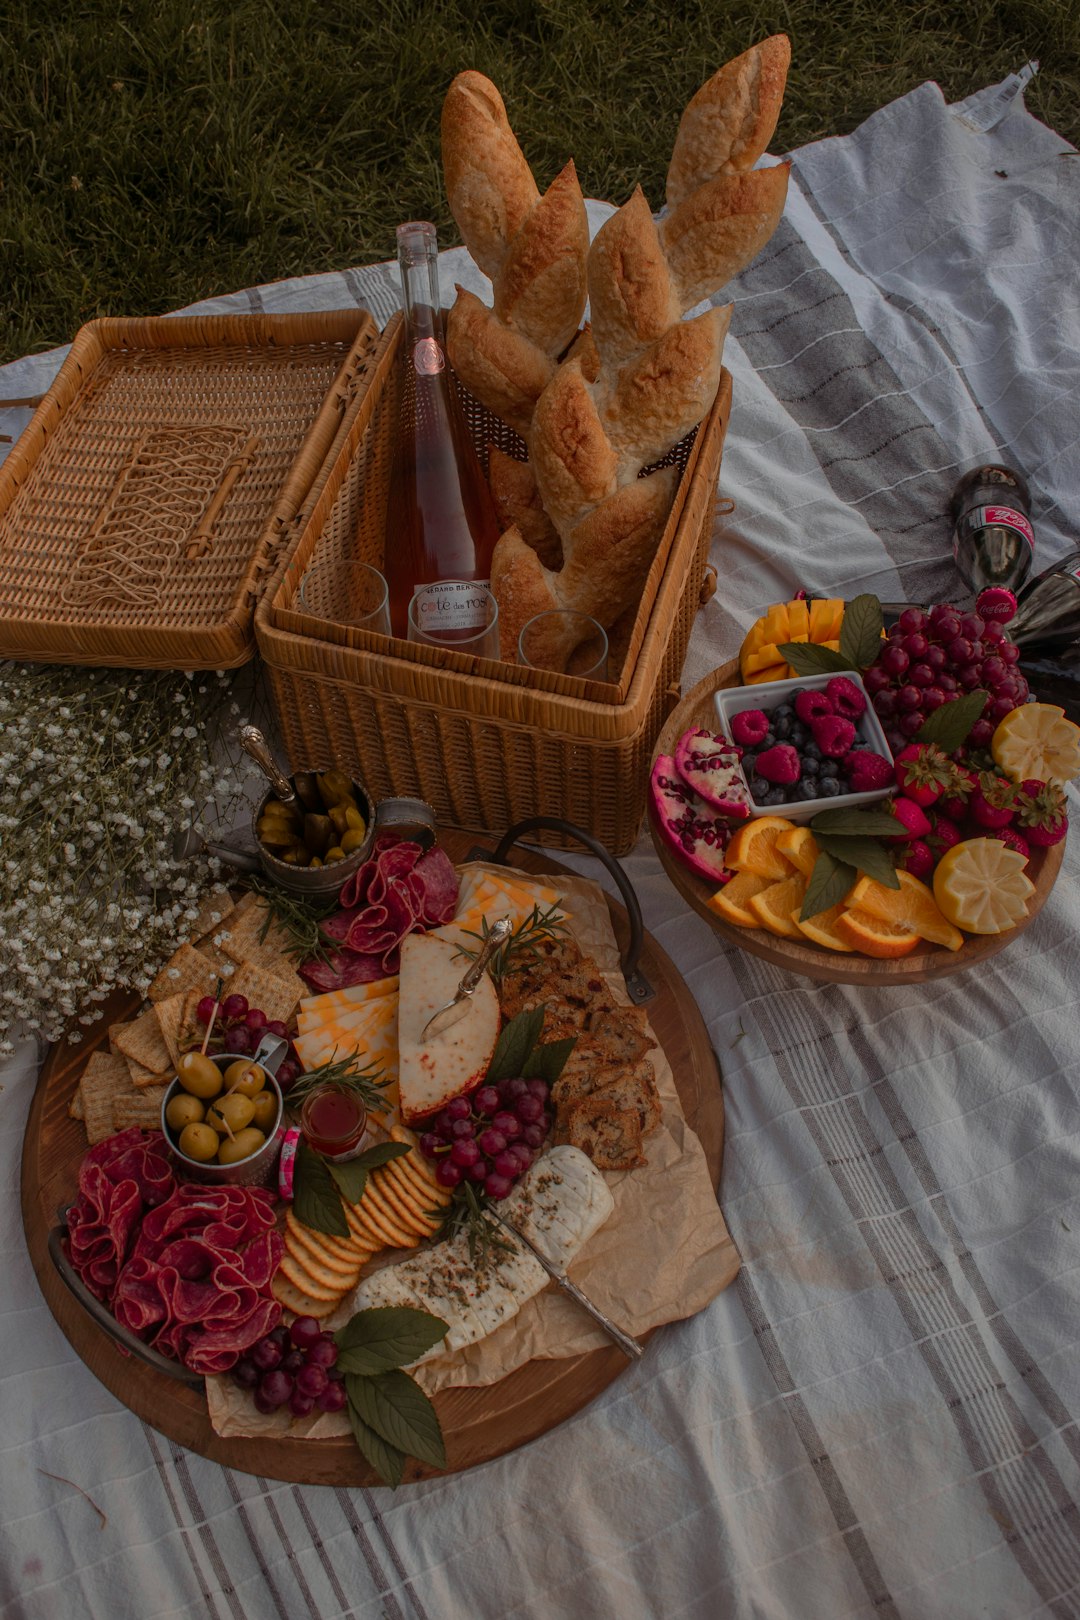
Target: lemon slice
x,y
981,886
1036,740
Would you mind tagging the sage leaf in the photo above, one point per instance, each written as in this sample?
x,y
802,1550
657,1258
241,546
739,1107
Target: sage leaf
x,y
950,725
547,1061
385,1337
387,1461
857,823
864,853
829,883
316,1203
860,632
515,1043
395,1406
350,1179
808,658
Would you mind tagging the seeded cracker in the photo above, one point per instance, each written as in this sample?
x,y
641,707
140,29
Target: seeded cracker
x,y
179,1025
105,1082
213,910
142,1043
277,994
186,970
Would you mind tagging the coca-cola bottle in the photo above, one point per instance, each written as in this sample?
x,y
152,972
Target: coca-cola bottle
x,y
1047,618
441,524
993,539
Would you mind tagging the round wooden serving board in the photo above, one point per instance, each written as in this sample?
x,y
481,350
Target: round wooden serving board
x,y
478,1424
814,961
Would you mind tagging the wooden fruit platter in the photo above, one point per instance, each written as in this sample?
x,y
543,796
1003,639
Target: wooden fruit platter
x,y
815,961
478,1423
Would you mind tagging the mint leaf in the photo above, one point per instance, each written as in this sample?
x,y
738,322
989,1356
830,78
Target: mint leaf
x,y
857,823
864,853
387,1461
950,725
396,1408
547,1062
829,883
860,632
514,1045
316,1203
350,1179
808,658
385,1337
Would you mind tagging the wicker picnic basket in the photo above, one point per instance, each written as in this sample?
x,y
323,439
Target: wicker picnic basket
x,y
142,507
485,743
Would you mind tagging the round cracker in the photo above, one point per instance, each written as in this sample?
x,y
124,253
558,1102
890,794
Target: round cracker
x,y
301,1279
428,1195
295,1300
389,1206
390,1234
406,1208
341,1247
422,1180
319,1261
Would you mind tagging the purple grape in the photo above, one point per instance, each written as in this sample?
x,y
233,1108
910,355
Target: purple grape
x,y
312,1379
916,646
885,703
491,1141
933,697
959,651
301,1405
921,675
205,1010
936,657
506,1163
970,676
529,1109
895,739
995,670
275,1388
876,679
972,625
447,1174
462,1130
238,1039
234,1006
264,1406
911,722
908,697
429,1145
488,1100
539,1088
305,1332
994,634
912,620
507,1123
464,1153
515,1088
978,652
332,1399
458,1108
276,1027
245,1373
497,1186
294,1360
478,1172
533,1136
999,708
255,1020
981,733
266,1354
1010,652
280,1335
324,1352
946,621
947,683
288,1069
894,659
523,1155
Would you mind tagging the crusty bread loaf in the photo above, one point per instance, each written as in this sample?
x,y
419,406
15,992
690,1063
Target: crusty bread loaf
x,y
642,377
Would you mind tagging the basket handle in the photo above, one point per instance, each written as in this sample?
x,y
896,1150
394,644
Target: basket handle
x,y
125,1339
638,985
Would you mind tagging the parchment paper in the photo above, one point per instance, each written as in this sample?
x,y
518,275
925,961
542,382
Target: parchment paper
x,y
663,1254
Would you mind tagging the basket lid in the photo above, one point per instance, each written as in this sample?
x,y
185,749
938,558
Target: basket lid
x,y
143,506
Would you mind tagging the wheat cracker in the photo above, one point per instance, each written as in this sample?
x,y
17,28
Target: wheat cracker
x,y
105,1081
277,994
186,969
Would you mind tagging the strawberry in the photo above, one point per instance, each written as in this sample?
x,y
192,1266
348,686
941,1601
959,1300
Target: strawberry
x,y
1041,813
918,859
913,819
1012,840
993,803
924,773
944,834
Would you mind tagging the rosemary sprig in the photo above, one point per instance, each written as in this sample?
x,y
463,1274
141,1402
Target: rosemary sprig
x,y
345,1073
467,1213
523,943
299,918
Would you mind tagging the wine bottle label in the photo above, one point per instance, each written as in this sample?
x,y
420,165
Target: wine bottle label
x,y
451,604
428,358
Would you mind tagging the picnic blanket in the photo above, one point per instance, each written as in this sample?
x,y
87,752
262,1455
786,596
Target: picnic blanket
x,y
880,1416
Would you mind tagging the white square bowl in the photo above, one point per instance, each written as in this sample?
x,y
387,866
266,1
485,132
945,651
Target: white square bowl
x,y
768,696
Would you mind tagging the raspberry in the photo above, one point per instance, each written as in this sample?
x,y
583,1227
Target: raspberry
x,y
749,727
779,764
845,697
833,735
867,771
812,705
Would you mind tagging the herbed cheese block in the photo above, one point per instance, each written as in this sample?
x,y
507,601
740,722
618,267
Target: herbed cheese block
x,y
432,1071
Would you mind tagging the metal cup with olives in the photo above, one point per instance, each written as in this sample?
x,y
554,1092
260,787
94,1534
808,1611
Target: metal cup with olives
x,y
222,1117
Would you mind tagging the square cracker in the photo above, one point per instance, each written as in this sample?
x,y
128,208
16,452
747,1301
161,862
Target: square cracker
x,y
75,1106
142,1043
142,1108
244,928
277,994
186,969
105,1082
213,909
180,1028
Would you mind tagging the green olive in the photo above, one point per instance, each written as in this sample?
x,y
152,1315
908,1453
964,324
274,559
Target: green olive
x,y
231,1113
245,1077
266,1107
242,1146
184,1109
198,1075
199,1142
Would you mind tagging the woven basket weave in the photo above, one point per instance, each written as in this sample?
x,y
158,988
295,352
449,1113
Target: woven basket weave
x,y
141,509
485,743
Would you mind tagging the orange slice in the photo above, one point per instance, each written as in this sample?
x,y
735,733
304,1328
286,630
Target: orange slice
x,y
800,847
1036,740
823,929
753,848
981,885
773,907
873,936
912,907
730,902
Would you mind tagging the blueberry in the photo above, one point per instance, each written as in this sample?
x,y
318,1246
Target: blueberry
x,y
783,726
829,767
759,790
811,751
828,787
775,795
767,741
799,735
811,766
784,711
807,788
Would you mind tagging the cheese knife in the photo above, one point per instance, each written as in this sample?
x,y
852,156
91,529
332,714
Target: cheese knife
x,y
458,1005
626,1344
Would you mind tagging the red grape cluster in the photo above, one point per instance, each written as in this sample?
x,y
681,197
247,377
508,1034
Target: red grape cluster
x,y
239,1028
293,1366
932,658
491,1137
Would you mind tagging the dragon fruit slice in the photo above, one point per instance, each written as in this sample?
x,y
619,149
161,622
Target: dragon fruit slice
x,y
691,827
710,766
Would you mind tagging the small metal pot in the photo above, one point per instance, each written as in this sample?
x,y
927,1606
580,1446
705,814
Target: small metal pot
x,y
259,1169
323,882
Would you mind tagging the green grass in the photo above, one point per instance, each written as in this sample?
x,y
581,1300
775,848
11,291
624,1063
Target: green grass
x,y
154,152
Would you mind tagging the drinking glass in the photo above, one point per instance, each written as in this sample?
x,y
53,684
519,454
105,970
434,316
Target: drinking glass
x,y
458,614
566,642
346,592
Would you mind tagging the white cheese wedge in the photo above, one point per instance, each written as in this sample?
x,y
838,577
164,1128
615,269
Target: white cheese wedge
x,y
432,1071
559,1204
